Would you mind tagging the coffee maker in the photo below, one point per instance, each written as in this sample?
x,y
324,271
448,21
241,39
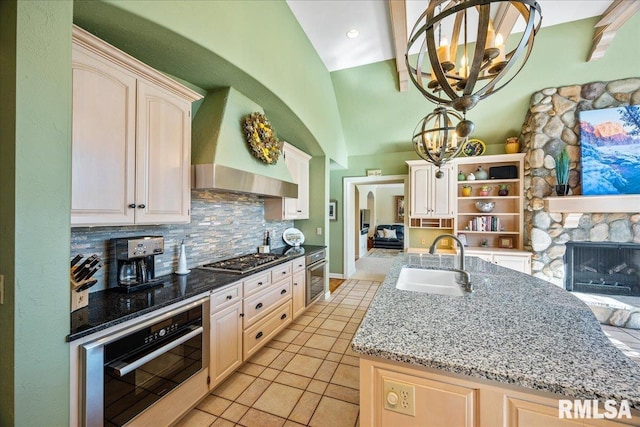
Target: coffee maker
x,y
133,267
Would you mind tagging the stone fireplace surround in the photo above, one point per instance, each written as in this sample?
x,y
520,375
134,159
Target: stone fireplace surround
x,y
552,123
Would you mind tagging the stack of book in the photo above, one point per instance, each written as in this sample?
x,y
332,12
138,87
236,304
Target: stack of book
x,y
485,223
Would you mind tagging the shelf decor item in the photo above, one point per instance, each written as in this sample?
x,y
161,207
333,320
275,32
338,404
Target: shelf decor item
x,y
505,242
481,173
503,189
261,138
466,190
562,172
485,205
485,190
474,147
512,145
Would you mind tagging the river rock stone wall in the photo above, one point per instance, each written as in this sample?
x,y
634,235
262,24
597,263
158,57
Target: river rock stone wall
x,y
552,123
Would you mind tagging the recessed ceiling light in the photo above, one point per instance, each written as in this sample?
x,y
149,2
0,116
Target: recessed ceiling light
x,y
352,34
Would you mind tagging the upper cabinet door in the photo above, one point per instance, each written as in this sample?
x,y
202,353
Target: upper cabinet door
x,y
442,189
163,156
297,162
103,141
421,177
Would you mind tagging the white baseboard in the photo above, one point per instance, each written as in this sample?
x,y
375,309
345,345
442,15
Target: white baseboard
x,y
336,276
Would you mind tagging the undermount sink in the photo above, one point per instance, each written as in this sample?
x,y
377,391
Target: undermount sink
x,y
440,282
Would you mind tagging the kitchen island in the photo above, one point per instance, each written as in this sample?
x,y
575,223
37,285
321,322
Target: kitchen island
x,y
502,355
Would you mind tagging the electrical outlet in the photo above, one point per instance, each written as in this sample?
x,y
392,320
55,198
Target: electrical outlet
x,y
446,243
423,242
1,289
319,231
399,397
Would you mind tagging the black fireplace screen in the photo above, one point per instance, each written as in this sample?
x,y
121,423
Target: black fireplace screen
x,y
603,268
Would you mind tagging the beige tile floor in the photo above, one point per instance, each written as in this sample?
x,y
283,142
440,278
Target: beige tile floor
x,y
308,375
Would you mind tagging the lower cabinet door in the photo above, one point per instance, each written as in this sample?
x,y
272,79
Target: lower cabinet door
x,y
299,293
226,343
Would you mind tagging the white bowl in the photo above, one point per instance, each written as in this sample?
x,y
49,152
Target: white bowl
x,y
485,206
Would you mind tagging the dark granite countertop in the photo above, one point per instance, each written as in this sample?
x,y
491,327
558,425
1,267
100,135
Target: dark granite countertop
x,y
514,328
108,308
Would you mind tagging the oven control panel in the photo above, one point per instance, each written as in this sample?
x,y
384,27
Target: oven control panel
x,y
161,333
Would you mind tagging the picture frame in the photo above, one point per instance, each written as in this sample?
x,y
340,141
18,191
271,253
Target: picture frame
x,y
374,172
505,242
400,209
333,210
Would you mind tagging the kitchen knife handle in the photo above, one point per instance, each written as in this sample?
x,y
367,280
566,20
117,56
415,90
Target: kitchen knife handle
x,y
76,259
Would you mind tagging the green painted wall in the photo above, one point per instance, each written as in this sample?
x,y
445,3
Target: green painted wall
x,y
378,120
34,382
256,47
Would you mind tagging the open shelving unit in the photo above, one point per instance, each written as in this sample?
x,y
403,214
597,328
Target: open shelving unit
x,y
506,217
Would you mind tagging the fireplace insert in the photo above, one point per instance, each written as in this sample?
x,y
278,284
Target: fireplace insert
x,y
603,268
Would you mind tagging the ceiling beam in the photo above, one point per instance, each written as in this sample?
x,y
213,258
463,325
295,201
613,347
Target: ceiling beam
x,y
610,22
398,11
506,17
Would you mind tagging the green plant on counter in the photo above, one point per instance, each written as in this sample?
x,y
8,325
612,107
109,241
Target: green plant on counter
x,y
562,167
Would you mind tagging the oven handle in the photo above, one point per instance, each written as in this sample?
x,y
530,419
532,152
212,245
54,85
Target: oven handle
x,y
316,264
121,369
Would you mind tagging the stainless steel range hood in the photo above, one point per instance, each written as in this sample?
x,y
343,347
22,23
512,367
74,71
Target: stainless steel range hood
x,y
219,154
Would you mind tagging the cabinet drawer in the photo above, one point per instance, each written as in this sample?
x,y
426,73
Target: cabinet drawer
x,y
259,334
257,306
298,264
257,283
281,271
225,297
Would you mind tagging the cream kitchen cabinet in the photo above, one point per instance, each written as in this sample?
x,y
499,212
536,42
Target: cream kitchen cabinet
x,y
513,259
297,162
298,289
226,333
431,197
131,139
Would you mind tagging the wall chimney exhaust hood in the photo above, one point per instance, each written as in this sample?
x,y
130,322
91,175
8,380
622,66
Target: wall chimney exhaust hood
x,y
220,157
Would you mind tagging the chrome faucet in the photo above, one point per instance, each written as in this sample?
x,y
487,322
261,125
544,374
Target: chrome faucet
x,y
466,278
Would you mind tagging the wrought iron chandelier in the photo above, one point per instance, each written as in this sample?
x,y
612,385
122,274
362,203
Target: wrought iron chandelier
x,y
484,67
437,138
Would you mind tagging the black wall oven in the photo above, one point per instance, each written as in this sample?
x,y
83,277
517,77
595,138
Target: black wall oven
x,y
126,373
316,273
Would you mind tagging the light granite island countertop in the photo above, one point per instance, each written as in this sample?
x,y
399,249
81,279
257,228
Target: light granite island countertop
x,y
514,329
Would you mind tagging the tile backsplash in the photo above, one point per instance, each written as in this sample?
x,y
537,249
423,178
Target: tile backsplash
x,y
222,225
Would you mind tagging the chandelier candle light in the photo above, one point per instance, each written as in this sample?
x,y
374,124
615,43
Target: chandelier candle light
x,y
484,68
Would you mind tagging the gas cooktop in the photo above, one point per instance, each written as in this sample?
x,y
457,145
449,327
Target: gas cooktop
x,y
244,263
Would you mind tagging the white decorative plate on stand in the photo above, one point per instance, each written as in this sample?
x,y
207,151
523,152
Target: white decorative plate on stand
x,y
293,237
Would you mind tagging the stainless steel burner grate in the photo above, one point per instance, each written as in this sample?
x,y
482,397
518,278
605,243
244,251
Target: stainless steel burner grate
x,y
244,263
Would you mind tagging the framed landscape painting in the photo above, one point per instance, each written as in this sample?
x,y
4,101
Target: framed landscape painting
x,y
610,144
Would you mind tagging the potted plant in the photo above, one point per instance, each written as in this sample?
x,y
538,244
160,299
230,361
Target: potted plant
x,y
562,172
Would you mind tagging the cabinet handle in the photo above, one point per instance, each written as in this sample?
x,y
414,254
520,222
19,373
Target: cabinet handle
x,y
259,335
259,306
282,292
284,316
141,206
241,314
229,297
259,283
284,272
132,205
299,210
295,284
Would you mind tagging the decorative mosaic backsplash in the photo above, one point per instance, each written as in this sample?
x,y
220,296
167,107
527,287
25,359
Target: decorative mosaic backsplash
x,y
222,225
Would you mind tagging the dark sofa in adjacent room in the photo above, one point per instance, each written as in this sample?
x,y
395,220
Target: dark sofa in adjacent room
x,y
392,238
